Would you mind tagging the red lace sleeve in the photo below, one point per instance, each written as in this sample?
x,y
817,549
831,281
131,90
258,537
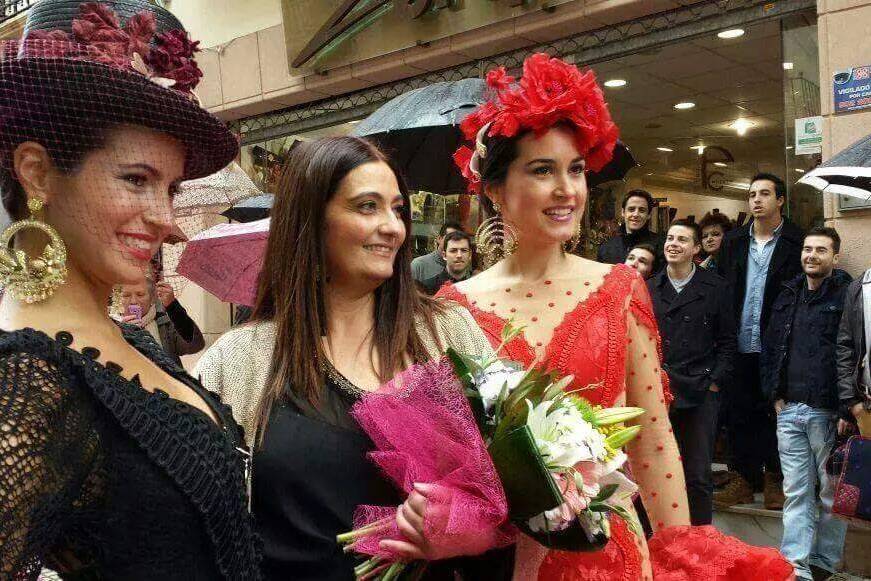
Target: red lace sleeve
x,y
641,307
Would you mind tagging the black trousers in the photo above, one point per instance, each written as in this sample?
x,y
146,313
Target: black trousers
x,y
752,424
695,429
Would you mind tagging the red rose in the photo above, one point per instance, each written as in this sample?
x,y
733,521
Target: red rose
x,y
499,79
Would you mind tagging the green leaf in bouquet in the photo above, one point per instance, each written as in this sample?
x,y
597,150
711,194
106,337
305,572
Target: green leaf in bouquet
x,y
627,517
529,486
556,391
588,412
462,368
606,492
510,332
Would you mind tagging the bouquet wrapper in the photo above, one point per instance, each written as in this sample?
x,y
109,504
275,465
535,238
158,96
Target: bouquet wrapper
x,y
424,430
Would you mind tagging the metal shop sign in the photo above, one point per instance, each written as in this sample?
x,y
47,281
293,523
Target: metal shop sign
x,y
324,34
852,89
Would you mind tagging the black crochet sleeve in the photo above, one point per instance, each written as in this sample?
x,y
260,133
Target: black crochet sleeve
x,y
47,448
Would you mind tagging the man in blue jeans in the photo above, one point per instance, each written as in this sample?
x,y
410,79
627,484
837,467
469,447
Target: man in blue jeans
x,y
799,375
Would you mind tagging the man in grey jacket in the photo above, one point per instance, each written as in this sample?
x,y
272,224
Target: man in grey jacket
x,y
432,264
854,372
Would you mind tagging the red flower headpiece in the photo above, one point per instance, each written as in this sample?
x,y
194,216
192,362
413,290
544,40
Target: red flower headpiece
x,y
549,92
168,61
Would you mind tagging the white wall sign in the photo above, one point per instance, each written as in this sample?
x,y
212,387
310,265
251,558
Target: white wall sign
x,y
808,135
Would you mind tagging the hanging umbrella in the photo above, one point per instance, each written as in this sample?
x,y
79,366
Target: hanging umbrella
x,y
251,209
224,188
420,131
847,173
226,260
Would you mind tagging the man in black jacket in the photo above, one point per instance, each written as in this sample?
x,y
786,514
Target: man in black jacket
x,y
636,211
854,374
800,379
698,344
756,260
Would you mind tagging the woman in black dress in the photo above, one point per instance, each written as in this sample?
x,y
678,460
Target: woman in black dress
x,y
337,315
115,463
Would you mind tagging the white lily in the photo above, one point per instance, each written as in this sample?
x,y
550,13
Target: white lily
x,y
562,435
491,382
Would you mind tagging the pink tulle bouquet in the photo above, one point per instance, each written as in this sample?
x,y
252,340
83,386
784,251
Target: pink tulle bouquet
x,y
502,448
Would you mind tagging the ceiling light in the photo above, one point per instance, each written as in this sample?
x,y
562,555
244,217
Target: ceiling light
x,y
699,148
799,170
685,105
614,83
665,149
720,163
788,66
741,126
789,147
731,33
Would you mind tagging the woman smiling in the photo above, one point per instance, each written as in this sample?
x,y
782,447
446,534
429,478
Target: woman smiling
x,y
337,315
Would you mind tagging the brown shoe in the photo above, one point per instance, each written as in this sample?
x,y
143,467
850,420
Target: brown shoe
x,y
773,493
722,477
738,491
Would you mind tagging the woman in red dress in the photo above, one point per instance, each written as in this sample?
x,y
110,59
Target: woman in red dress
x,y
533,143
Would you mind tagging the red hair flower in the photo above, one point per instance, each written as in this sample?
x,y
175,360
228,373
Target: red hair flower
x,y
499,79
549,92
463,157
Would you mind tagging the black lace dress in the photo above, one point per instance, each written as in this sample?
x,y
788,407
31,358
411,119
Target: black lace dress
x,y
101,479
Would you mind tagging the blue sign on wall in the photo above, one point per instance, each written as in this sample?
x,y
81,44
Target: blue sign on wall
x,y
852,88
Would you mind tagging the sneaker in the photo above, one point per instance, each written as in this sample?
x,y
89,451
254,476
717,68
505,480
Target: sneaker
x,y
737,491
772,494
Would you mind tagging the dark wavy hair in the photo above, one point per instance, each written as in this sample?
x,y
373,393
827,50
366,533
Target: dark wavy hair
x,y
292,281
718,219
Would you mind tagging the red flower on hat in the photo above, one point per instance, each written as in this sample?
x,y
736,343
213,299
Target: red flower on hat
x,y
549,92
169,62
98,27
172,57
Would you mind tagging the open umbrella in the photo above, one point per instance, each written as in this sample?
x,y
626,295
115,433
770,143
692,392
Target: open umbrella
x,y
251,209
420,131
224,188
848,173
226,260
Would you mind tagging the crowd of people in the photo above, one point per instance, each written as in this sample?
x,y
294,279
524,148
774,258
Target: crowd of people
x,y
119,464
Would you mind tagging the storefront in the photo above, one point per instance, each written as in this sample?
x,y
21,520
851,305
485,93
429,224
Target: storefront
x,y
705,95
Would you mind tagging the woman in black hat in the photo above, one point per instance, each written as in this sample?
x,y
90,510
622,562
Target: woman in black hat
x,y
114,463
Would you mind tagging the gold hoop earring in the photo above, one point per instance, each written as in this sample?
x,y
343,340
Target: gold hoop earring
x,y
116,306
571,245
32,280
495,239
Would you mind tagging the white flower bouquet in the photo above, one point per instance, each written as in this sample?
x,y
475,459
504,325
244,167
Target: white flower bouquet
x,y
558,456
